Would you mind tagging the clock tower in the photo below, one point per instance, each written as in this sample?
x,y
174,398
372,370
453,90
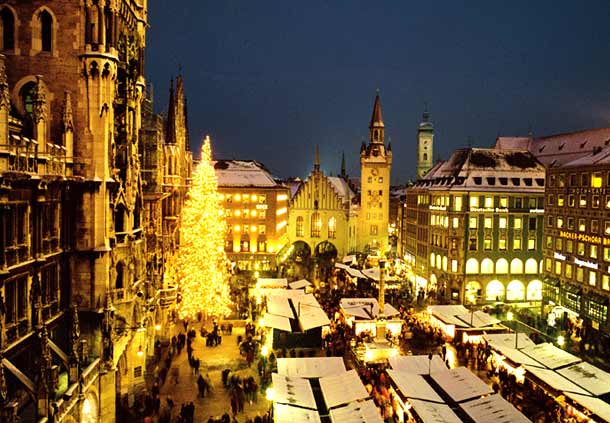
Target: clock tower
x,y
375,166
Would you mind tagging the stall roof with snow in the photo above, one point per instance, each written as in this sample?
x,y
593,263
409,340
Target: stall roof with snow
x,y
298,309
461,317
310,367
301,283
271,283
414,386
595,405
342,389
418,364
588,376
461,384
550,355
354,273
365,308
493,408
293,390
356,412
284,413
556,381
430,412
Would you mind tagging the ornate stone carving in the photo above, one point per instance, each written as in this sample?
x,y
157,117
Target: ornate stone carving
x,y
67,121
5,99
107,329
75,336
39,100
3,387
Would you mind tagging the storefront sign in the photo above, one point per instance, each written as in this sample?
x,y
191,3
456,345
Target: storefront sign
x,y
585,264
559,256
536,210
439,208
261,206
488,210
581,237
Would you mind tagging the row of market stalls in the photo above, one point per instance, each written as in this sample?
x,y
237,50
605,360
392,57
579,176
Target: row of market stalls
x,y
372,274
320,390
424,390
580,386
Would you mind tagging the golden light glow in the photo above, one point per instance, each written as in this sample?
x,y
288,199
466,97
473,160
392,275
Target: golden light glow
x,y
281,211
561,340
201,265
270,394
140,353
596,180
254,197
265,351
282,197
280,225
237,228
157,327
237,197
237,213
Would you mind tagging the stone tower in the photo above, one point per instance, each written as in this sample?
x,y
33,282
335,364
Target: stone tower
x,y
425,139
375,166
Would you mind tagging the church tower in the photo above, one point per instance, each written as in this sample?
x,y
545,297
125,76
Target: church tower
x,y
375,166
425,138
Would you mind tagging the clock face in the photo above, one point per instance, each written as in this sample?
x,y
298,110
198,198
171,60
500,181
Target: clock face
x,y
374,172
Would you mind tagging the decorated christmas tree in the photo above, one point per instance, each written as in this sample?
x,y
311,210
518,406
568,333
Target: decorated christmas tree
x,y
201,263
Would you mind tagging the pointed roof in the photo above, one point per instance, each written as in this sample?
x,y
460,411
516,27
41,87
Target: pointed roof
x,y
316,159
376,118
170,129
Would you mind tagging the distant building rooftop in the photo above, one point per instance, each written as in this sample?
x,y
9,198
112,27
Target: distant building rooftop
x,y
243,173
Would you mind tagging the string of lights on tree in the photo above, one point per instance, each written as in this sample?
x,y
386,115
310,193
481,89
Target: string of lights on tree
x,y
201,270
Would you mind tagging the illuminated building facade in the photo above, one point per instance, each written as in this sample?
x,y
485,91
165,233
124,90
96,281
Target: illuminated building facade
x,y
474,227
256,209
73,280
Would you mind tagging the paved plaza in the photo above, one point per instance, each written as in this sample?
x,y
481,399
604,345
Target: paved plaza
x,y
213,361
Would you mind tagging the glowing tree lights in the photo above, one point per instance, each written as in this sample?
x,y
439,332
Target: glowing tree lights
x,y
201,265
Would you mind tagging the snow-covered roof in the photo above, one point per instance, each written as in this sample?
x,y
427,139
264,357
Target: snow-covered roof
x,y
507,340
431,412
342,187
354,273
342,389
555,380
301,283
283,413
461,317
461,384
414,386
486,169
356,412
493,408
293,390
242,173
595,405
310,367
417,364
366,308
271,283
310,312
589,377
550,356
277,322
304,308
279,306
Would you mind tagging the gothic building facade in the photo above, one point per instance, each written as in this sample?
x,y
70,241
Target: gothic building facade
x,y
76,296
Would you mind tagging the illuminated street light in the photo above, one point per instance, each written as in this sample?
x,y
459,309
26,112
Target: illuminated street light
x,y
157,327
270,394
509,315
561,340
140,353
265,351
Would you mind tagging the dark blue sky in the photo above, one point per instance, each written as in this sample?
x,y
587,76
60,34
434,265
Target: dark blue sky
x,y
268,80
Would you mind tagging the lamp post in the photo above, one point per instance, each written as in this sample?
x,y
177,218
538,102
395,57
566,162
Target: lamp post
x,y
380,324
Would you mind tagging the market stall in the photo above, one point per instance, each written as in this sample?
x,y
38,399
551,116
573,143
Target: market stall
x,y
553,380
550,356
295,391
361,315
493,408
460,384
430,412
300,284
284,413
342,389
457,322
588,376
418,364
599,409
356,412
311,367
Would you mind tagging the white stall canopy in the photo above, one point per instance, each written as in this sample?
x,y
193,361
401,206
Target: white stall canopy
x,y
349,259
461,384
283,413
430,412
366,308
279,306
555,380
301,283
507,340
461,317
293,390
309,312
277,322
418,364
342,389
589,377
493,408
356,412
414,386
550,356
595,405
310,367
354,273
298,306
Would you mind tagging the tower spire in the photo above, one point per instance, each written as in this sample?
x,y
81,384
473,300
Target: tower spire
x,y
170,127
376,127
316,159
343,172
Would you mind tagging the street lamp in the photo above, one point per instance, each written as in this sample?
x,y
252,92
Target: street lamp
x,y
561,340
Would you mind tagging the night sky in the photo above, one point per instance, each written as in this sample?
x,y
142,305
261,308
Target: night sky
x,y
270,79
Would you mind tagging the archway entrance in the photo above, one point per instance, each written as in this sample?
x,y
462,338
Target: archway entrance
x,y
325,255
472,292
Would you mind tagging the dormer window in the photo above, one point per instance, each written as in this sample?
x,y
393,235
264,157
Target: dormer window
x,y
477,180
528,181
516,181
503,181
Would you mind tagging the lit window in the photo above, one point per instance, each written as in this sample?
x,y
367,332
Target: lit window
x,y
487,244
237,213
456,222
237,197
253,213
517,223
380,179
316,225
332,228
472,222
558,244
595,201
457,203
568,270
474,201
489,202
560,200
580,249
254,198
516,244
503,202
569,246
454,266
571,200
262,229
531,244
593,251
502,244
607,227
557,267
580,274
559,222
502,223
606,254
299,226
581,225
582,201
606,282
488,222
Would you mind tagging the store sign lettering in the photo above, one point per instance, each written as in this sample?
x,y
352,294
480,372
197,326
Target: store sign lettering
x,y
581,237
559,256
585,264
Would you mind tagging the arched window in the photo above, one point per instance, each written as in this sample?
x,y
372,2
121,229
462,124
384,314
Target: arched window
x,y
487,266
299,227
119,282
516,266
502,266
244,243
494,291
515,291
376,135
46,30
534,290
332,228
8,29
26,95
472,292
531,266
472,266
316,225
425,156
432,259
